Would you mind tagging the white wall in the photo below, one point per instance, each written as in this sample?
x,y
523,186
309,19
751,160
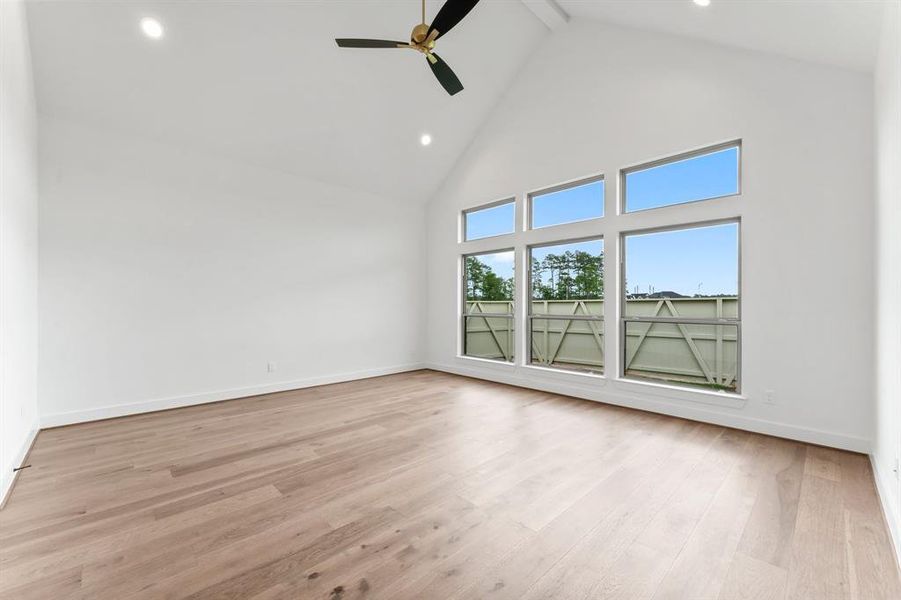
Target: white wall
x,y
18,243
169,277
595,98
887,444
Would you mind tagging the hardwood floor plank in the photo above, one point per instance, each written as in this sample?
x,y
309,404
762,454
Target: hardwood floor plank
x,y
823,462
752,579
580,570
700,570
261,577
819,565
523,565
388,553
770,529
639,571
868,544
429,485
63,584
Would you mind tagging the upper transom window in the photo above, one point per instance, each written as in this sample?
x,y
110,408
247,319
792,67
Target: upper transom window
x,y
567,203
489,221
702,175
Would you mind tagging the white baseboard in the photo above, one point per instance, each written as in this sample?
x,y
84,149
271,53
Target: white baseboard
x,y
8,477
122,410
884,482
654,401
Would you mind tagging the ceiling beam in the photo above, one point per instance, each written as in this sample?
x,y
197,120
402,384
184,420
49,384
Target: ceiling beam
x,y
549,12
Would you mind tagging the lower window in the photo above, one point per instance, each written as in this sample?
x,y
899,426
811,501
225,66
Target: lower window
x,y
488,305
681,320
566,312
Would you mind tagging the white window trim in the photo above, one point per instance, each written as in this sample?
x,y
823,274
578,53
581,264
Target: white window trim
x,y
609,227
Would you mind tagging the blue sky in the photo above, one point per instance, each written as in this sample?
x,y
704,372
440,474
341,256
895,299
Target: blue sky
x,y
564,206
500,262
702,260
491,221
569,205
707,176
692,261
689,261
594,247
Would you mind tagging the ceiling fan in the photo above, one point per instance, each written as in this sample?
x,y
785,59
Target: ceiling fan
x,y
422,39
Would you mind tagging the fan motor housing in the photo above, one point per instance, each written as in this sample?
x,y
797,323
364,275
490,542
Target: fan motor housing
x,y
420,32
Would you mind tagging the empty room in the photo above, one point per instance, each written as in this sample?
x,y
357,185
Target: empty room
x,y
450,299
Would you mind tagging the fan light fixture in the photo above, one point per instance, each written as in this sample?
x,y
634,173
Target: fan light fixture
x,y
425,140
423,38
702,2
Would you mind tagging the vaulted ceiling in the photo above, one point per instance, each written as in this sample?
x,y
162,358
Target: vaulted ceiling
x,y
841,33
263,82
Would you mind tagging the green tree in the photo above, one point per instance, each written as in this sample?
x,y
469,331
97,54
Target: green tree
x,y
482,283
568,276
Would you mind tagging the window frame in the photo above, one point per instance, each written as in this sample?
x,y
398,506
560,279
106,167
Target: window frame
x,y
502,202
530,315
529,226
464,313
622,299
613,227
674,158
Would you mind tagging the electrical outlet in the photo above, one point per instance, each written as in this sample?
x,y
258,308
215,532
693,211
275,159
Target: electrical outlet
x,y
769,397
271,367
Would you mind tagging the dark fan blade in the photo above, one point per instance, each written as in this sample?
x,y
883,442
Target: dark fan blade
x,y
358,43
450,14
445,75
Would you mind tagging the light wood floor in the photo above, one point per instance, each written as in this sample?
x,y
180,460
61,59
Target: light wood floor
x,y
432,486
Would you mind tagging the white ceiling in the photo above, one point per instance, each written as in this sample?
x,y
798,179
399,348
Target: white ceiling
x,y
843,33
264,82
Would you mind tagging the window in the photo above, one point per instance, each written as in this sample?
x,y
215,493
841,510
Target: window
x,y
677,291
702,175
488,288
494,219
566,318
567,203
681,308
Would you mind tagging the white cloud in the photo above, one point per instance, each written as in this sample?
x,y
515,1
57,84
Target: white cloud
x,y
500,257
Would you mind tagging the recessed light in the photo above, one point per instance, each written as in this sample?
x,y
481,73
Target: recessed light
x,y
425,140
152,28
702,2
